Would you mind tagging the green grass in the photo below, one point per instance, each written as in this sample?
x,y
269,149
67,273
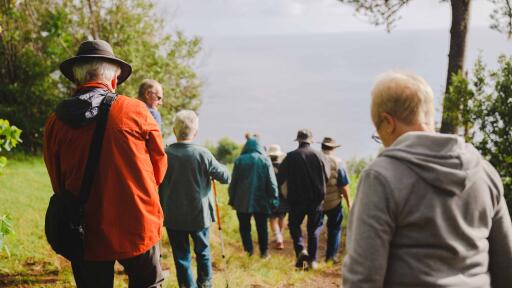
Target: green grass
x,y
24,193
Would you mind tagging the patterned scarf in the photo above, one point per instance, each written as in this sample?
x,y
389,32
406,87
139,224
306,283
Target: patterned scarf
x,y
84,105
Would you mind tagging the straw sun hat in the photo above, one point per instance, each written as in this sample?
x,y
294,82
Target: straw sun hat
x,y
274,150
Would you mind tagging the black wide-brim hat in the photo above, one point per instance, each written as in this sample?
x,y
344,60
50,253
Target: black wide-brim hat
x,y
95,49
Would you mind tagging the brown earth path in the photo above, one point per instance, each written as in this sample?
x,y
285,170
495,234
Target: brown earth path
x,y
327,276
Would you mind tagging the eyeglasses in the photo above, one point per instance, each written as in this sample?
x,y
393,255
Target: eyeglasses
x,y
159,97
376,138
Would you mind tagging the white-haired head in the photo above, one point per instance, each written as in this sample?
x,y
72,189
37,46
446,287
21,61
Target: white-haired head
x,y
95,70
405,96
186,124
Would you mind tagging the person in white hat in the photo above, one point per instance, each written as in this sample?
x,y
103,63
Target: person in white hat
x,y
277,216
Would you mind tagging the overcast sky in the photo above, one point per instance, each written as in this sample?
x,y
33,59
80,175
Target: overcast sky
x,y
252,73
268,17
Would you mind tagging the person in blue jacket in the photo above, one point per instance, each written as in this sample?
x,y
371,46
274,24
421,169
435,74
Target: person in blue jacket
x,y
253,193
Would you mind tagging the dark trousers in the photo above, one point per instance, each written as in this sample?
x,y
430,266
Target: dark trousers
x,y
180,244
244,219
314,226
143,271
334,220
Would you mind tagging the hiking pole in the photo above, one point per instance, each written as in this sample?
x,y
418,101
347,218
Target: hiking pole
x,y
217,212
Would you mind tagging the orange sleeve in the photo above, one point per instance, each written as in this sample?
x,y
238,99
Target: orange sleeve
x,y
155,145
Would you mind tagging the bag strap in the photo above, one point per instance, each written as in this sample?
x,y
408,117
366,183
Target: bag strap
x,y
95,147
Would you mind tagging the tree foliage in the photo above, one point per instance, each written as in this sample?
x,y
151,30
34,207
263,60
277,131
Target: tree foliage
x,y
356,165
9,138
5,230
501,17
380,12
489,114
226,150
387,13
457,103
37,35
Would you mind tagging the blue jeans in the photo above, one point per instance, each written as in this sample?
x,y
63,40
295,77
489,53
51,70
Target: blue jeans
x,y
314,226
182,257
334,219
244,219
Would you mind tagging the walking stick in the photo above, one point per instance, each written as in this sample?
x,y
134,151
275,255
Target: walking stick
x,y
219,224
217,212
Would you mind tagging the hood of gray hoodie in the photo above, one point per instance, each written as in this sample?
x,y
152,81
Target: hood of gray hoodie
x,y
444,161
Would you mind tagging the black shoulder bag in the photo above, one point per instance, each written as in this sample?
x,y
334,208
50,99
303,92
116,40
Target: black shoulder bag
x,y
64,223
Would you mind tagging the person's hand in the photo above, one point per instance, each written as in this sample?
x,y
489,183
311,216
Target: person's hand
x,y
274,204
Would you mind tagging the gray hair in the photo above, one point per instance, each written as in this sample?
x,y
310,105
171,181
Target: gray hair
x,y
95,70
186,124
147,84
405,96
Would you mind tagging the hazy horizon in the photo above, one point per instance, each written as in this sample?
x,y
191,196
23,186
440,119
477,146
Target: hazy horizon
x,y
277,84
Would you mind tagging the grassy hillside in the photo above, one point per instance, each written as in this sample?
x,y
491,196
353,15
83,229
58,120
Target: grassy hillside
x,y
24,194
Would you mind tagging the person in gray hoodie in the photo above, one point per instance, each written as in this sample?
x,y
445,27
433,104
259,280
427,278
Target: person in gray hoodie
x,y
429,211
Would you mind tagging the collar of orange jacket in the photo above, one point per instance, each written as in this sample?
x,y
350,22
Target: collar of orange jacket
x,y
94,84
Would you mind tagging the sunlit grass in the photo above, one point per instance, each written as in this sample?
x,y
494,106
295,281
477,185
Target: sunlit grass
x,y
24,193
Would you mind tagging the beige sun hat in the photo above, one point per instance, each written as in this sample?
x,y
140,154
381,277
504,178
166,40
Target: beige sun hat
x,y
304,136
330,142
274,150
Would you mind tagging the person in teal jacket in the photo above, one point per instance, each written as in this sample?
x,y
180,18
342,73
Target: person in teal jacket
x,y
253,192
187,200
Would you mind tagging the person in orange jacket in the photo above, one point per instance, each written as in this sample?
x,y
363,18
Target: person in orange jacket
x,y
123,214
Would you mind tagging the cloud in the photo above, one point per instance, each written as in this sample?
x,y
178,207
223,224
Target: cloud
x,y
270,17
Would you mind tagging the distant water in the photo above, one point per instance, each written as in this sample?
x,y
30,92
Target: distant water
x,y
275,85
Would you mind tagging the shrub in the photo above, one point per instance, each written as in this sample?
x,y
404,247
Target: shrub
x,y
355,165
36,36
486,99
9,138
5,229
226,150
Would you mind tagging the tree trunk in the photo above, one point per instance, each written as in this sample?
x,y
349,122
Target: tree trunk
x,y
458,35
94,14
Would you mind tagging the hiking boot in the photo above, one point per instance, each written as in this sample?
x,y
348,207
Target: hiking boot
x,y
207,284
312,265
301,259
279,245
265,255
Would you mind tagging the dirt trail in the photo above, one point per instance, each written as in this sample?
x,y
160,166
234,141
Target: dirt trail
x,y
328,276
39,274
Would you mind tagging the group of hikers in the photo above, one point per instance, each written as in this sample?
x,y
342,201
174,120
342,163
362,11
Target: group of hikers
x,y
308,183
429,211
